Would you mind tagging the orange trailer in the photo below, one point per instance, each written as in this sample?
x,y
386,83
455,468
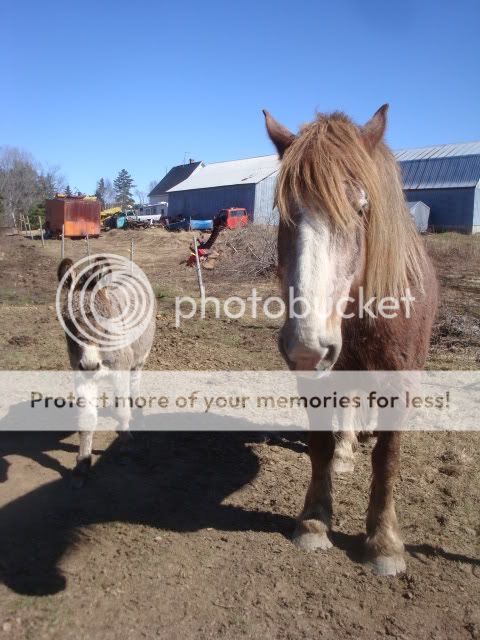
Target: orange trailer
x,y
80,216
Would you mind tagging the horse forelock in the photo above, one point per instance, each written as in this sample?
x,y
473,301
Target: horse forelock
x,y
327,157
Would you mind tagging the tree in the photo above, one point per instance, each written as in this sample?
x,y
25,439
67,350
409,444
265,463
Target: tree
x,y
123,185
19,184
24,186
100,192
109,193
140,196
68,191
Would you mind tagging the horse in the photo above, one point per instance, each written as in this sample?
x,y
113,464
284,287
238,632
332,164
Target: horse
x,y
103,341
344,227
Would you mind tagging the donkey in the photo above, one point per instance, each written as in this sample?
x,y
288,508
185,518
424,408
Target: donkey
x,y
344,225
88,307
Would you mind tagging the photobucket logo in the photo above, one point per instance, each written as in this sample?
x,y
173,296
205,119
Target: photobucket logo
x,y
109,302
275,307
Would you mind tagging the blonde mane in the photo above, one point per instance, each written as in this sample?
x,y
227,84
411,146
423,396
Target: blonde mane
x,y
323,159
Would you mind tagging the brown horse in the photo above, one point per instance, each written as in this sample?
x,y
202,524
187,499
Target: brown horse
x,y
345,232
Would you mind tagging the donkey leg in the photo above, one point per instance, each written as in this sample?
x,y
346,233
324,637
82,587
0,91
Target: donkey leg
x,y
137,411
87,423
384,545
121,383
314,521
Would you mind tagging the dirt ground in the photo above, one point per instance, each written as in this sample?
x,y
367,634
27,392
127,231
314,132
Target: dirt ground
x,y
191,539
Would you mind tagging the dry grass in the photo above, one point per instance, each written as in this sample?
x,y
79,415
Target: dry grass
x,y
453,246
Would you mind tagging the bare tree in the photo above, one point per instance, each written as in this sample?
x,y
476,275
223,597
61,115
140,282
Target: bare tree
x,y
140,196
20,188
109,193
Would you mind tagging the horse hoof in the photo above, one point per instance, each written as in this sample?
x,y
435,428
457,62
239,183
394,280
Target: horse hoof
x,y
388,565
342,465
311,535
312,541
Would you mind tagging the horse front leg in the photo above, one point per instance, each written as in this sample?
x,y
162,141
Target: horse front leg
x,y
345,441
314,522
384,545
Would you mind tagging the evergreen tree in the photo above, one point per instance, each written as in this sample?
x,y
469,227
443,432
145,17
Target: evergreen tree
x,y
123,185
68,191
100,192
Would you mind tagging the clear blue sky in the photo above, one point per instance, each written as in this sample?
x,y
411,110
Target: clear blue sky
x,y
96,86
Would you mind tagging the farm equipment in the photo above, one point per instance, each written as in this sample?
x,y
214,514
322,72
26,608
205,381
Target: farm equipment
x,y
189,224
207,256
126,220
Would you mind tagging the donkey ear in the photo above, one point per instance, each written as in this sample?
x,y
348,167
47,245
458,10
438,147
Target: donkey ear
x,y
281,137
374,130
66,265
101,269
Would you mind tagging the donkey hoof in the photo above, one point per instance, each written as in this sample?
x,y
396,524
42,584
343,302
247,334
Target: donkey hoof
x,y
311,535
388,565
80,473
77,481
342,465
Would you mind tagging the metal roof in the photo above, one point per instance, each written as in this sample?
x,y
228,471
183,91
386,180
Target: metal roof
x,y
233,172
439,151
441,173
440,166
173,177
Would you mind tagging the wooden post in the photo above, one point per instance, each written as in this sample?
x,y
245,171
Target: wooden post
x,y
131,255
199,270
23,224
62,249
41,230
28,227
87,240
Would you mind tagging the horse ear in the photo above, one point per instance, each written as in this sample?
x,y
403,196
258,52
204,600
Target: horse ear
x,y
281,137
66,265
374,130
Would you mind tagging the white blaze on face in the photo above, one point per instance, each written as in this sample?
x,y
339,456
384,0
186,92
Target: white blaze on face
x,y
313,277
319,278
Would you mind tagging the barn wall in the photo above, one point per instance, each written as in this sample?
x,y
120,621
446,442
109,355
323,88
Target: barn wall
x,y
476,210
204,203
449,208
265,213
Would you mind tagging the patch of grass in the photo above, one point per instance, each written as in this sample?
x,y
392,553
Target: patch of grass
x,y
162,292
14,296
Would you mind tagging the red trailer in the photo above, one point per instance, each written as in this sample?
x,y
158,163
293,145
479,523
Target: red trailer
x,y
79,215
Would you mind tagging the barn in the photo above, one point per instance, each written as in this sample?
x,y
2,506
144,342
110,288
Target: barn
x,y
159,194
247,183
447,179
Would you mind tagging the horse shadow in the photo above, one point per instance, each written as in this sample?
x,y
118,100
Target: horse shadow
x,y
177,482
